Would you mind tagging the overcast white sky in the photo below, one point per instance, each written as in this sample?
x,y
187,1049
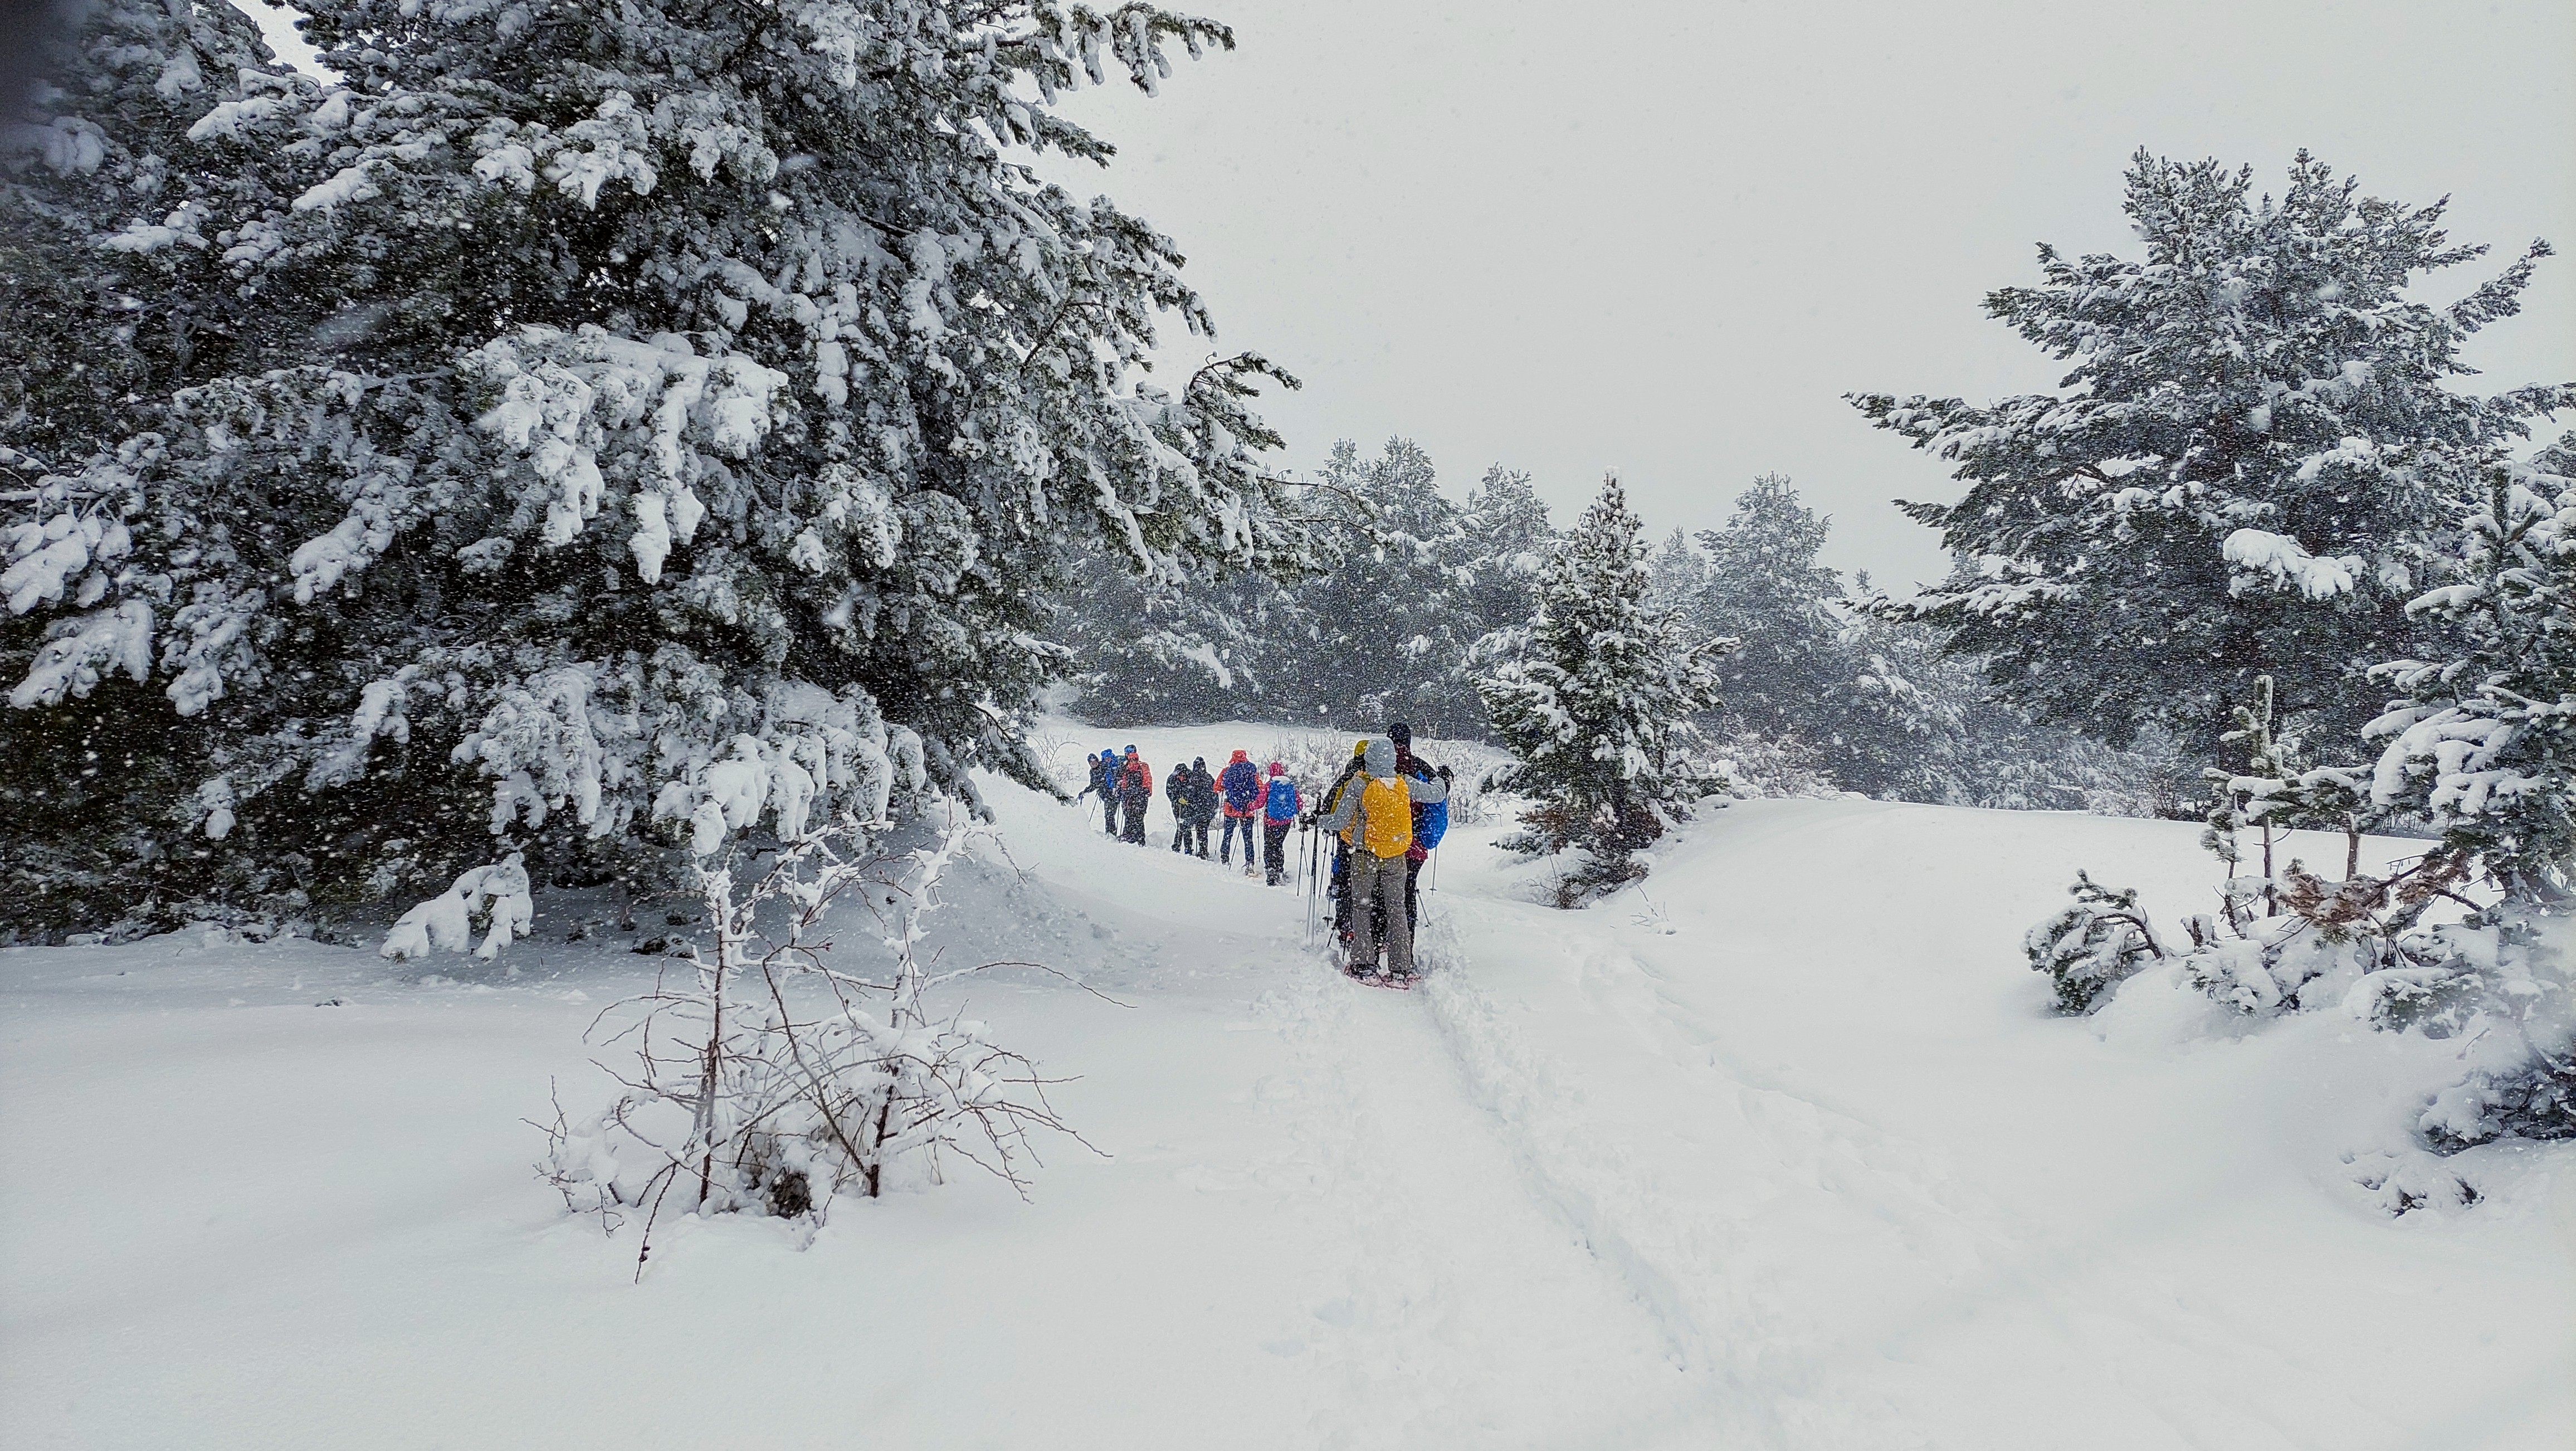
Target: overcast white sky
x,y
1666,237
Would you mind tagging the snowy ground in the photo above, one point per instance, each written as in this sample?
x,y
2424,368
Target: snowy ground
x,y
1784,1152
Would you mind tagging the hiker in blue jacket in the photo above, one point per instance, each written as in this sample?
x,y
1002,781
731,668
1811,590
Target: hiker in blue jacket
x,y
1281,805
1240,785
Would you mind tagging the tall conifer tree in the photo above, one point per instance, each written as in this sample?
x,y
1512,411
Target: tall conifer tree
x,y
2254,463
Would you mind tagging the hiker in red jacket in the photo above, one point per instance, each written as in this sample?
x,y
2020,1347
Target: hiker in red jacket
x,y
1135,793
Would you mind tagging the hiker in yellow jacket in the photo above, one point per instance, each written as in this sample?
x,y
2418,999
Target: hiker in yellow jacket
x,y
1374,815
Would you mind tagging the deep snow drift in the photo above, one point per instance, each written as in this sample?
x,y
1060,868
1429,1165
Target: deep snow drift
x,y
1785,1150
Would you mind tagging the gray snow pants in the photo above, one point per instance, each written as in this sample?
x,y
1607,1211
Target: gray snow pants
x,y
1379,880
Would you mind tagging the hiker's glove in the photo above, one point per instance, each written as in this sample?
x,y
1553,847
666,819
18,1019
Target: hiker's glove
x,y
1444,775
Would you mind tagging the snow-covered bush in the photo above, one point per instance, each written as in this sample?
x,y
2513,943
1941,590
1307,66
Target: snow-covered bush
x,y
773,1082
1774,766
2094,945
496,895
532,434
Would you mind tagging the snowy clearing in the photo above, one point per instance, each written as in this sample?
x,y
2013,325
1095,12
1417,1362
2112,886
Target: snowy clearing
x,y
1726,1162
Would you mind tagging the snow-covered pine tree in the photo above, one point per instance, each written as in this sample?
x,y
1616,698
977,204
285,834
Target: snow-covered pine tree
x,y
1150,652
1596,697
2484,745
1310,646
1502,547
2251,468
1676,574
573,430
1383,629
1792,675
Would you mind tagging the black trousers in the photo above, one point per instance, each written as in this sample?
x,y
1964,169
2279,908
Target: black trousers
x,y
1274,850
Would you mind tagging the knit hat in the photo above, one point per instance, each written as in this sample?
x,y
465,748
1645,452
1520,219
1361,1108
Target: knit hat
x,y
1400,733
1278,769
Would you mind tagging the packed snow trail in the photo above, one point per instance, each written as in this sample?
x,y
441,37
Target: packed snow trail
x,y
1783,1153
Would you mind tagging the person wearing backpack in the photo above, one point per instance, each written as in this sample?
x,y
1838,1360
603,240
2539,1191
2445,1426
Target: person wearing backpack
x,y
1104,780
1203,804
1280,808
1135,793
1430,818
1337,879
1375,815
1182,793
1241,801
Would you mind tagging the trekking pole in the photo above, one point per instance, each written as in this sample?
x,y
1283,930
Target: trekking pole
x,y
1310,885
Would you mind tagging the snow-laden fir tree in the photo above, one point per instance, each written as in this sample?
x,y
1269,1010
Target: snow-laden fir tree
x,y
1400,583
1150,652
1676,574
1502,547
574,429
1384,629
1826,676
2484,746
2252,466
2484,743
1765,588
1596,696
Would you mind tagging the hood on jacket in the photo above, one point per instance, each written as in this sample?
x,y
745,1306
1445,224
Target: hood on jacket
x,y
1381,758
1241,757
1278,768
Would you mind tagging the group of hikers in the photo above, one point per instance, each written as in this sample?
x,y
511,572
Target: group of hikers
x,y
1242,794
1384,814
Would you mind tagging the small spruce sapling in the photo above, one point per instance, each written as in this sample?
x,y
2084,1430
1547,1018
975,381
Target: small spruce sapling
x,y
2094,945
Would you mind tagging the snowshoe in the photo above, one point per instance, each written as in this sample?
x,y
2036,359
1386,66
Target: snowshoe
x,y
1373,972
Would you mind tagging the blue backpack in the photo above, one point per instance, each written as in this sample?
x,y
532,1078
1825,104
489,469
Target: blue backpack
x,y
1282,805
1242,787
1430,822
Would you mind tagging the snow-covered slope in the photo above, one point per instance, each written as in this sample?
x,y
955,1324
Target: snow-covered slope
x,y
1784,1151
